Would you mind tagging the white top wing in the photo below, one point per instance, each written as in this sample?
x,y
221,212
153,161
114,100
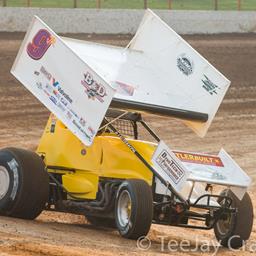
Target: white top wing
x,y
158,68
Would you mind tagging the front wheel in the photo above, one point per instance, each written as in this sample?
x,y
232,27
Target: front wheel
x,y
235,228
24,183
134,208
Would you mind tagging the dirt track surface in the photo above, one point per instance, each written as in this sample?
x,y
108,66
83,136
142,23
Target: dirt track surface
x,y
234,128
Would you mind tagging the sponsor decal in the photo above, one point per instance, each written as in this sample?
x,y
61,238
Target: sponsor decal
x,y
73,112
53,123
93,89
56,94
185,64
61,107
54,82
124,89
45,73
91,130
82,122
39,85
48,88
57,91
36,73
65,95
53,118
81,130
169,166
209,86
64,102
53,99
218,176
69,115
47,93
199,159
40,44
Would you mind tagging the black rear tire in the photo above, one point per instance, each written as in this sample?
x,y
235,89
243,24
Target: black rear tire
x,y
28,183
134,208
236,229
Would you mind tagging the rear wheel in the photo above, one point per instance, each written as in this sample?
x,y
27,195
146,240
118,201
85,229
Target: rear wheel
x,y
134,208
233,230
24,183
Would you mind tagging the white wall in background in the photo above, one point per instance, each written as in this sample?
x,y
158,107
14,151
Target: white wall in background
x,y
108,21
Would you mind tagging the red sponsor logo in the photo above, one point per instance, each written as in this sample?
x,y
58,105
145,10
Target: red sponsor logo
x,y
93,89
199,159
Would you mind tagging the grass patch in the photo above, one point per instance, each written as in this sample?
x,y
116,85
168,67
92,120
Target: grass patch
x,y
138,4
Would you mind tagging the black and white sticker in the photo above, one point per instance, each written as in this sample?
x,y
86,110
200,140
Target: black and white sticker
x,y
170,168
185,64
209,86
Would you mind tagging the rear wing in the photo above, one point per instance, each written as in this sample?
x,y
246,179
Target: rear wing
x,y
158,72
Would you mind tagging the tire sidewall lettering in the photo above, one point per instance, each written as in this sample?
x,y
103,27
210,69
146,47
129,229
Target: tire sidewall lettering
x,y
14,167
10,163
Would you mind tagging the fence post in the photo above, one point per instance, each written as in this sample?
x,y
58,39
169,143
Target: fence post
x,y
98,4
75,4
216,5
239,5
145,4
169,4
28,3
4,3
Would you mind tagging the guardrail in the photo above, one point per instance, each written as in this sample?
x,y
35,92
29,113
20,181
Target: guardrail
x,y
138,4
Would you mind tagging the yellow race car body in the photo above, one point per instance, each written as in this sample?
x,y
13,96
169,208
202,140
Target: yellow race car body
x,y
82,167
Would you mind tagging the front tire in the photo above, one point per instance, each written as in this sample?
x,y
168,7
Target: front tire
x,y
236,228
134,208
24,183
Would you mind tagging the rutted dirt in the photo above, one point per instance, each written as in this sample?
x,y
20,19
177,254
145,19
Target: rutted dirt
x,y
234,128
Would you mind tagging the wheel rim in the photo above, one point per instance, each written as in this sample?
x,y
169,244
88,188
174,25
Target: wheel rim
x,y
124,208
223,226
4,182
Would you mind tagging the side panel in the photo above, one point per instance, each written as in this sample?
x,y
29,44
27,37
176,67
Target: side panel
x,y
63,149
120,162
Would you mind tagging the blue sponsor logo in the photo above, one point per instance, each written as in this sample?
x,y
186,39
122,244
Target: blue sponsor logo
x,y
54,82
53,99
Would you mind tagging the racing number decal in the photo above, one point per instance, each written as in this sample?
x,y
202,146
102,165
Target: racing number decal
x,y
40,44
